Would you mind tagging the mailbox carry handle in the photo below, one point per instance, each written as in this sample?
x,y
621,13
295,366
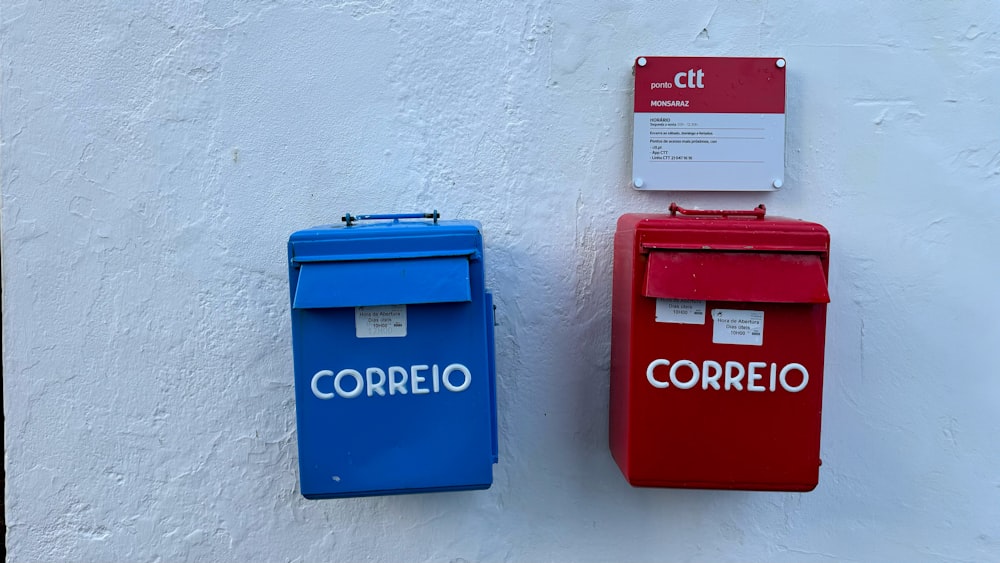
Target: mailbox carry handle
x,y
351,219
758,211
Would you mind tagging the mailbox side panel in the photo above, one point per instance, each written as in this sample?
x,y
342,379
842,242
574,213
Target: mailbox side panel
x,y
623,298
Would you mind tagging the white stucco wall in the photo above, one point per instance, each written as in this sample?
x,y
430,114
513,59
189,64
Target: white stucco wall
x,y
155,157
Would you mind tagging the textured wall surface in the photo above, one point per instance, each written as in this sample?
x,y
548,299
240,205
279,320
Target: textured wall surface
x,y
155,156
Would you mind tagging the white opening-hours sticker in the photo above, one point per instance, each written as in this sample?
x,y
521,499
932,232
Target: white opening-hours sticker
x,y
736,326
680,311
380,322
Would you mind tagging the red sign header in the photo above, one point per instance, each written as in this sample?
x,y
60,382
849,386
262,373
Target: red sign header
x,y
709,85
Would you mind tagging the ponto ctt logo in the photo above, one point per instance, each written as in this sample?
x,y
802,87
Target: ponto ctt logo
x,y
684,79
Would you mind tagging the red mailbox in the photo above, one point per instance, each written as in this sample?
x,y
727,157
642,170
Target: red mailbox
x,y
718,329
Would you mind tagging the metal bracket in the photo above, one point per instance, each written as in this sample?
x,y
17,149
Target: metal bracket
x,y
758,211
351,219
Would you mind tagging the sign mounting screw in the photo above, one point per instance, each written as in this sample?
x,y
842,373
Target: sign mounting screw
x,y
777,184
642,61
780,63
638,182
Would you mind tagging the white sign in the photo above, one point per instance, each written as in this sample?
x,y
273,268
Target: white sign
x,y
736,326
709,123
380,322
708,151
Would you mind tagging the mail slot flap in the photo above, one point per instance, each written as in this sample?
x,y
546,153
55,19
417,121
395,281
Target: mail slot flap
x,y
443,279
737,276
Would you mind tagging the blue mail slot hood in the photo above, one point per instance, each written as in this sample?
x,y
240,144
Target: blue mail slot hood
x,y
440,279
392,336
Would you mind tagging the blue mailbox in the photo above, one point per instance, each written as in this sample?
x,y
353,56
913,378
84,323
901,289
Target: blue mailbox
x,y
392,336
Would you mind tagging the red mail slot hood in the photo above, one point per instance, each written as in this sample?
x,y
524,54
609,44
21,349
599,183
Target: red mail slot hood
x,y
766,277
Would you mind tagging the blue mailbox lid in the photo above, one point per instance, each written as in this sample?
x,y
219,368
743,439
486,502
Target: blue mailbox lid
x,y
398,263
373,444
413,239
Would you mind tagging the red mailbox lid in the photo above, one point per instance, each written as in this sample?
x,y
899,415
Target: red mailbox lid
x,y
726,232
777,259
763,277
